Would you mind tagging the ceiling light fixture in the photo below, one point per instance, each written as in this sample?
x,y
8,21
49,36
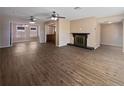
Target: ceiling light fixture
x,y
54,18
107,22
32,22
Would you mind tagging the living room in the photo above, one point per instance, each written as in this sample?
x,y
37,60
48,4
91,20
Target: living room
x,y
78,45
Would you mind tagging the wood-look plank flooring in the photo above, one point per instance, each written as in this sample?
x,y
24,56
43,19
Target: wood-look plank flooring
x,y
32,63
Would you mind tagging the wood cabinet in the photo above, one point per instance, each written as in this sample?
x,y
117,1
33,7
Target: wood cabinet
x,y
51,38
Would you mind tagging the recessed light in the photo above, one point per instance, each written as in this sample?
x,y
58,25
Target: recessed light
x,y
109,22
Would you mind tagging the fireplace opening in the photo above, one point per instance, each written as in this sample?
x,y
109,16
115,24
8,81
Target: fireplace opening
x,y
80,40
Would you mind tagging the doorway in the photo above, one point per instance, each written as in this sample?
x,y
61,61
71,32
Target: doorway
x,y
50,32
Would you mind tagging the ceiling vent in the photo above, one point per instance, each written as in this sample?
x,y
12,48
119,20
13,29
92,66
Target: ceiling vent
x,y
77,8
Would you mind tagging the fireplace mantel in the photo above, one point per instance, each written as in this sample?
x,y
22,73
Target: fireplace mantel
x,y
80,34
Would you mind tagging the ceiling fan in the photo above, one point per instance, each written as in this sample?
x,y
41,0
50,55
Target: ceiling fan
x,y
32,19
55,16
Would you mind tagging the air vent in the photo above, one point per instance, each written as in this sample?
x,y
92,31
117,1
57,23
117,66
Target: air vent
x,y
77,8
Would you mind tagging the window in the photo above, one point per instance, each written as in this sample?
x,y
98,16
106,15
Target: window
x,y
20,28
33,29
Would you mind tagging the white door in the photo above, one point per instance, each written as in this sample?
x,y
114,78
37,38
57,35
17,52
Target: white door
x,y
33,32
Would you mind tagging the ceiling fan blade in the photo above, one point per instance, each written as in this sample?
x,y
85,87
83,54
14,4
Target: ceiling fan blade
x,y
36,18
61,17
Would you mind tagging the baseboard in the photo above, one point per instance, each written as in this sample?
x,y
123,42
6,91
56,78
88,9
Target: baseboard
x,y
5,46
97,46
61,45
43,42
111,45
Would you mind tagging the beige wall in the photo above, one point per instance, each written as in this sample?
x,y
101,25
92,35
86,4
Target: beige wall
x,y
115,19
123,35
87,25
98,35
112,34
63,32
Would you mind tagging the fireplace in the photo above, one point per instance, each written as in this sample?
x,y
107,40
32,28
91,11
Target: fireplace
x,y
80,39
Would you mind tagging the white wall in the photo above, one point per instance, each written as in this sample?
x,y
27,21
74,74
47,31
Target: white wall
x,y
42,32
63,32
86,25
4,32
112,34
40,24
5,29
0,32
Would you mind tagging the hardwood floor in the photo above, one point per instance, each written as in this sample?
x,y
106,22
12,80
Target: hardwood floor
x,y
44,64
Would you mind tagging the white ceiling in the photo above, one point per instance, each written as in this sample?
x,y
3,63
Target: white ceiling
x,y
68,12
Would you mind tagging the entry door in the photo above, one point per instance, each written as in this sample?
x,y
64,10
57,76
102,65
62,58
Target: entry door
x,y
33,33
